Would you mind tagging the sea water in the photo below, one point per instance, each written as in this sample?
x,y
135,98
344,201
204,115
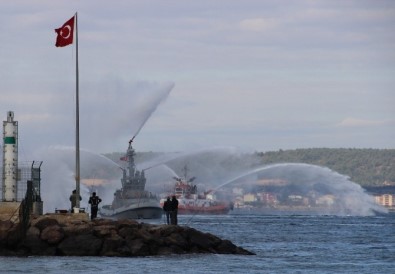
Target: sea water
x,y
282,244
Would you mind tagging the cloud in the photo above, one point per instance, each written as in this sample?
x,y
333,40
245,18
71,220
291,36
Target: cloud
x,y
244,72
257,24
353,122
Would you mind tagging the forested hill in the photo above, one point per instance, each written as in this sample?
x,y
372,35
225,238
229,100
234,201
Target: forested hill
x,y
368,167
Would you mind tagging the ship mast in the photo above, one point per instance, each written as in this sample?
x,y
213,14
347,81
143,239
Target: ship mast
x,y
185,170
132,179
130,156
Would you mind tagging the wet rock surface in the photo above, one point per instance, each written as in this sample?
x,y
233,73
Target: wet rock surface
x,y
54,236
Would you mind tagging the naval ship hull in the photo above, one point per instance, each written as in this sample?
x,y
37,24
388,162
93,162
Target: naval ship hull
x,y
137,213
132,212
132,201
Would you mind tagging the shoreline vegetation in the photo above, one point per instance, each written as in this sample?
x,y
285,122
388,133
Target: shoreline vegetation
x,y
367,167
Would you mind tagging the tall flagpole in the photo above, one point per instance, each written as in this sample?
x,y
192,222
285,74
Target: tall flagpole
x,y
77,122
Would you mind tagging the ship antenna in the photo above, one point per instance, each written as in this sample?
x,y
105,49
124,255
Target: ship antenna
x,y
185,172
131,141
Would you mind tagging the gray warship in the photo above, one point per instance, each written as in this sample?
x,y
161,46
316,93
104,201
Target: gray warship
x,y
132,201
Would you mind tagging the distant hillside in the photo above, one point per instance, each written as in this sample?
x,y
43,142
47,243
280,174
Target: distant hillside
x,y
367,167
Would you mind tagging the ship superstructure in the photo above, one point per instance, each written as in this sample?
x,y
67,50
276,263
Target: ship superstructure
x,y
132,201
192,202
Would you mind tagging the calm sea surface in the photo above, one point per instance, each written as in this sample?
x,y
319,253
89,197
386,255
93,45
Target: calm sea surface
x,y
283,244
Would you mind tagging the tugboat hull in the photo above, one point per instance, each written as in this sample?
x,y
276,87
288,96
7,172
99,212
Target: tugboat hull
x,y
190,202
204,211
201,207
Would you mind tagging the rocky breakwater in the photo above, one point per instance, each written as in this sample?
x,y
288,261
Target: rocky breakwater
x,y
57,235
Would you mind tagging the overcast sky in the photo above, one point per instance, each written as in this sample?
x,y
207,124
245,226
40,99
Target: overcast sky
x,y
257,75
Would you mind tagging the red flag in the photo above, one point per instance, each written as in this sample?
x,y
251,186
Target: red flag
x,y
65,33
124,158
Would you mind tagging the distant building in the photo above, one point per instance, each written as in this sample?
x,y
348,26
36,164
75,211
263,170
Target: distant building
x,y
387,200
326,200
297,200
239,203
267,198
249,198
95,182
271,182
238,191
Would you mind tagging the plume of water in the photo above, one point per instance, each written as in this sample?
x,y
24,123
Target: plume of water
x,y
159,179
117,112
211,165
58,175
222,168
351,198
151,104
126,108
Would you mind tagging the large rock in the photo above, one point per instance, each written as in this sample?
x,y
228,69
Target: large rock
x,y
5,227
44,223
80,245
52,235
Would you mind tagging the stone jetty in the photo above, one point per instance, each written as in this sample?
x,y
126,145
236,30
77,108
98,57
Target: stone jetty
x,y
70,235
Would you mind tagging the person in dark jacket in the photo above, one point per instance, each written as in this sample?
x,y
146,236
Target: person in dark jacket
x,y
73,199
94,201
167,209
174,211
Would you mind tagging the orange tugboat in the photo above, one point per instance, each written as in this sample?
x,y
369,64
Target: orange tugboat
x,y
190,202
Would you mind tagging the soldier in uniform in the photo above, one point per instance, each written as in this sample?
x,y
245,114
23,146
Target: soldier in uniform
x,y
73,199
167,209
174,211
94,201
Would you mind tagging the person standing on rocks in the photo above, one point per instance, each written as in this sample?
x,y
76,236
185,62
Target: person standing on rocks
x,y
73,199
167,209
94,201
174,210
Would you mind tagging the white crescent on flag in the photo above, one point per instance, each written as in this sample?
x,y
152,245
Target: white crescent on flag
x,y
65,32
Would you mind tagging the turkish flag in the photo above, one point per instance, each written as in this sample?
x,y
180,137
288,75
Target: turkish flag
x,y
65,33
124,158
